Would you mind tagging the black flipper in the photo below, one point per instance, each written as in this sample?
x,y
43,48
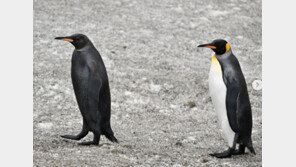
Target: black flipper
x,y
93,90
232,95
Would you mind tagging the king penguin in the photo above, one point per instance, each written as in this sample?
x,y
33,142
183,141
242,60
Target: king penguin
x,y
230,98
91,87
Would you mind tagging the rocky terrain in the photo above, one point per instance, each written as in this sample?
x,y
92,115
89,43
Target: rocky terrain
x,y
161,110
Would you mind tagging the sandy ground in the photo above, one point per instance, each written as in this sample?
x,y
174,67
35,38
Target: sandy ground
x,y
161,110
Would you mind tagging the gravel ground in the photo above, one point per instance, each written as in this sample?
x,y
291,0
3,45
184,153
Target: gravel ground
x,y
161,110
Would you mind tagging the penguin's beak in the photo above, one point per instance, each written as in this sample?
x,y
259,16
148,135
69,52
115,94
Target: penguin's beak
x,y
209,45
65,39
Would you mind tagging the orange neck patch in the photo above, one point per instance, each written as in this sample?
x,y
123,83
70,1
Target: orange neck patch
x,y
215,65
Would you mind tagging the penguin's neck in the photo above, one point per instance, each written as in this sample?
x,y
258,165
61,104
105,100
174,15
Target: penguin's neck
x,y
218,59
224,57
86,47
215,66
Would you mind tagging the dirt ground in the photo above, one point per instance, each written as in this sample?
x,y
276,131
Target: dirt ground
x,y
161,110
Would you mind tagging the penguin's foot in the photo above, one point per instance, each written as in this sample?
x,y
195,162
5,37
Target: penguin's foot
x,y
81,135
94,142
87,143
72,137
221,155
225,154
240,151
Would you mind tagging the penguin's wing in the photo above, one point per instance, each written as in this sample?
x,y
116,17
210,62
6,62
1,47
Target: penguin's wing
x,y
93,90
94,81
232,95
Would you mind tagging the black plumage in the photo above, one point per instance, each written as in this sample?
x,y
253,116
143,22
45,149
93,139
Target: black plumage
x,y
91,87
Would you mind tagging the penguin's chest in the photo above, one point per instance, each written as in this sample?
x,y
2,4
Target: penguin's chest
x,y
79,75
216,83
218,95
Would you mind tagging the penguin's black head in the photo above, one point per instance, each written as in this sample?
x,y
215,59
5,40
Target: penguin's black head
x,y
78,40
219,46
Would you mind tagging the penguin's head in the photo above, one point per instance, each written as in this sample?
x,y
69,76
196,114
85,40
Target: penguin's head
x,y
219,46
78,40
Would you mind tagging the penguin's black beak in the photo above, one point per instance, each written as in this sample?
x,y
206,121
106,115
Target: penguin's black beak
x,y
65,39
209,45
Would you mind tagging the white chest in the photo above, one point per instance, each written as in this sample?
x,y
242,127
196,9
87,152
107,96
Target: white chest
x,y
218,95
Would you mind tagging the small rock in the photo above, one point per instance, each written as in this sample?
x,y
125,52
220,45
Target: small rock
x,y
178,143
115,151
204,160
191,104
128,146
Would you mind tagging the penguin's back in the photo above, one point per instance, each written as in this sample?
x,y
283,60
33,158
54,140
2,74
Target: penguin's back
x,y
80,72
237,102
217,89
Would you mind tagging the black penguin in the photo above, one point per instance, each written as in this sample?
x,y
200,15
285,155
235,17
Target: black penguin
x,y
230,97
91,87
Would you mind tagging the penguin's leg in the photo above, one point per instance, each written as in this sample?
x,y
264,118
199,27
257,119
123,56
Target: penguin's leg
x,y
228,152
95,128
242,147
81,135
241,150
93,119
95,141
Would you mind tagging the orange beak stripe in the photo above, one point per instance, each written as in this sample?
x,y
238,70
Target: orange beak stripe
x,y
209,46
69,40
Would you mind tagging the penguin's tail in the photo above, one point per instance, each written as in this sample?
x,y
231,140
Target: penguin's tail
x,y
111,137
250,147
107,131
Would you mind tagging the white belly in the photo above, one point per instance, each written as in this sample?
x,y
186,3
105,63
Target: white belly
x,y
218,95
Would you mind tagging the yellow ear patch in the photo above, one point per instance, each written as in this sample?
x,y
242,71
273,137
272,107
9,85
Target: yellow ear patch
x,y
227,47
